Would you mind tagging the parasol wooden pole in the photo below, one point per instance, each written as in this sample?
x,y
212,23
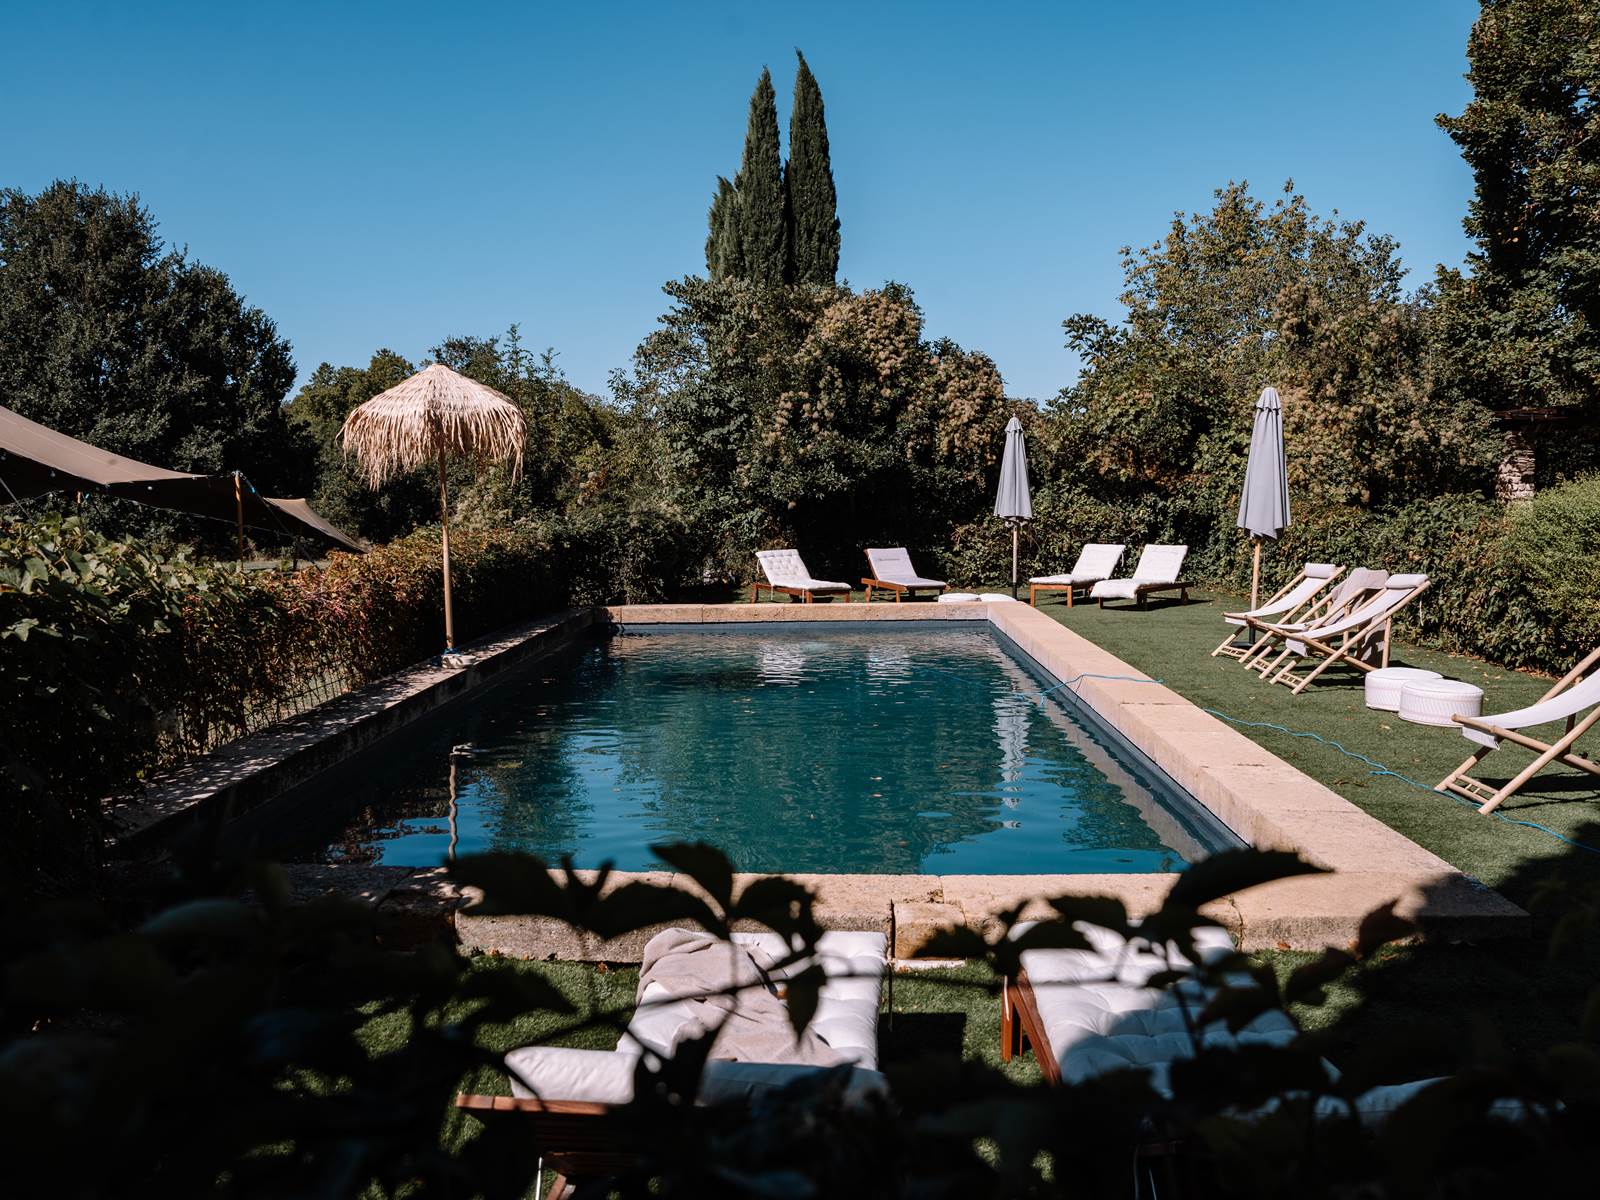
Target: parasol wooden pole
x,y
1016,537
238,507
444,535
1255,575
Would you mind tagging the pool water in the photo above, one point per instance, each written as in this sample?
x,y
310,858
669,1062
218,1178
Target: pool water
x,y
914,749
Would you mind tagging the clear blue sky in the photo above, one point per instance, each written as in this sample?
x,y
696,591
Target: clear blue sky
x,y
389,174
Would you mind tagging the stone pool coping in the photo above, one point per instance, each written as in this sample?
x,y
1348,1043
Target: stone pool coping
x,y
1266,801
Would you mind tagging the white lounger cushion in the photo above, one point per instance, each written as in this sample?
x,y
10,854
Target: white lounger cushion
x,y
1157,564
1099,1016
1578,698
1095,562
892,564
854,963
785,568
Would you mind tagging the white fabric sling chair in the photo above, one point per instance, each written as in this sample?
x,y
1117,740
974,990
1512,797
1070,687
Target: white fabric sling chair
x,y
1292,602
1363,634
1361,585
1572,694
1096,561
787,573
892,572
1158,570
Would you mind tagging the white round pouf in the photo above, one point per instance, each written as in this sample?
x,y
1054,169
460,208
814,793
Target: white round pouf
x,y
997,598
958,598
1433,701
1384,684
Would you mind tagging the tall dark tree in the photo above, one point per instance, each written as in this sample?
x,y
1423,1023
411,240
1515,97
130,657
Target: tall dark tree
x,y
724,250
813,205
1524,325
110,336
762,232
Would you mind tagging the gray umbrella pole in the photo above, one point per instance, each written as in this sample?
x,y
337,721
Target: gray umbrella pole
x,y
1255,590
1016,538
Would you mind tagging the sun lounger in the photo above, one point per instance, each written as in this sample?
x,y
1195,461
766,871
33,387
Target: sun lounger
x,y
1364,633
1301,599
1087,1013
1157,570
1096,561
1361,585
573,1101
787,574
1577,692
892,572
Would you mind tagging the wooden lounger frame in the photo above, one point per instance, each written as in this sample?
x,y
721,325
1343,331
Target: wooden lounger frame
x,y
1255,657
1487,798
1145,590
1308,610
1069,588
802,595
576,1138
1351,642
900,590
1021,1025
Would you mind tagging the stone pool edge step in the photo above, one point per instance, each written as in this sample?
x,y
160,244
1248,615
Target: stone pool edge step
x,y
245,776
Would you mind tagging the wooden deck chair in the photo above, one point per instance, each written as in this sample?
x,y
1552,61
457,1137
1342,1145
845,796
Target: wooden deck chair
x,y
1159,569
1577,690
1361,585
1365,633
1096,561
572,1104
892,572
787,574
1301,599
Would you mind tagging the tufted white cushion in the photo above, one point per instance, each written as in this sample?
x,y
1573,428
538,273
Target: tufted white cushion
x,y
959,598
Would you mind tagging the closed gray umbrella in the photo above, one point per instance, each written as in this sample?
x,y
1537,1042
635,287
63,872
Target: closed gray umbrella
x,y
1013,503
1264,506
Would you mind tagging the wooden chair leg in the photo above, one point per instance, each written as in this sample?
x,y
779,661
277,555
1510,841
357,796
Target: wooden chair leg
x,y
1008,1023
558,1187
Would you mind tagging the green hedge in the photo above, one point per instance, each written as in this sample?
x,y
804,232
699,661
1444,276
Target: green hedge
x,y
120,661
1517,585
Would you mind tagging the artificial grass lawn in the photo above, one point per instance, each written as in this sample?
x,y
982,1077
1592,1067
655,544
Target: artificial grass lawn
x,y
1529,997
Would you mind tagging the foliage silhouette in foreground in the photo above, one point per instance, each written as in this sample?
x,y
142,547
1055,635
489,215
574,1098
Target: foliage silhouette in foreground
x,y
216,1046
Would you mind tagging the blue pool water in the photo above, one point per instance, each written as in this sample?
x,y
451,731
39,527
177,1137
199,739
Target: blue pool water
x,y
799,748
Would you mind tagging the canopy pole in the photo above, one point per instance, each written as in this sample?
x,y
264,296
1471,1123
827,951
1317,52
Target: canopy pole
x,y
1016,537
1255,575
238,507
444,537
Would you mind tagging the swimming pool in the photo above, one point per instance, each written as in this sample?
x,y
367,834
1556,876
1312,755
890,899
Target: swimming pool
x,y
917,748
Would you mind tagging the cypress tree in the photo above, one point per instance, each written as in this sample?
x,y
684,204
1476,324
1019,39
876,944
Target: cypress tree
x,y
760,206
813,205
724,258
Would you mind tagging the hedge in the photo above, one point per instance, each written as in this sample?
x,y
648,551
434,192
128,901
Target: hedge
x,y
120,661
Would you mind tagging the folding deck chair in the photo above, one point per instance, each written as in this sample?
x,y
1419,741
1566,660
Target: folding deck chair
x,y
1297,600
1571,695
1350,639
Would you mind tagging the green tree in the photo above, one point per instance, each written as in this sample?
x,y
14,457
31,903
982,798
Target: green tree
x,y
108,335
1523,327
724,251
760,208
813,204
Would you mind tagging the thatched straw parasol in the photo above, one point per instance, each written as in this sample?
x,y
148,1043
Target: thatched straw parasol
x,y
435,415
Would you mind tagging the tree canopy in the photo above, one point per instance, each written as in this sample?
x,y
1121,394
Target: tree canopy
x,y
111,336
